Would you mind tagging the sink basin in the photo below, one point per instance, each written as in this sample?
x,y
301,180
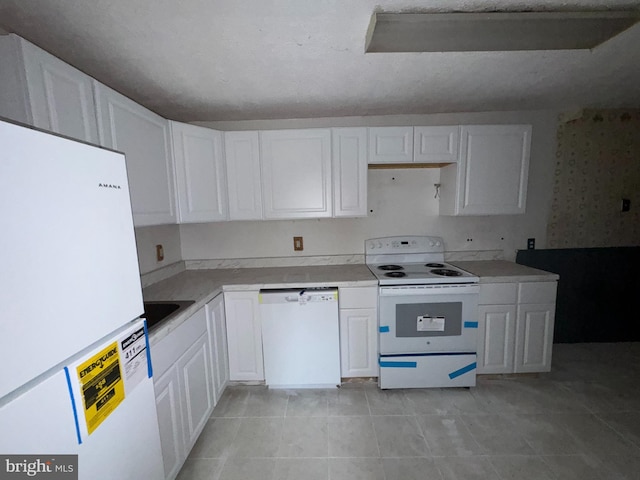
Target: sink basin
x,y
156,312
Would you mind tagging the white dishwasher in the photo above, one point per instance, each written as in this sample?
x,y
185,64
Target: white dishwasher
x,y
300,337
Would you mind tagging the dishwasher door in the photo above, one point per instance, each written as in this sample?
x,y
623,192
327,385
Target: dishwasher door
x,y
300,337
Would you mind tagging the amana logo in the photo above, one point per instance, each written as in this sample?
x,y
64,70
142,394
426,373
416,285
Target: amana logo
x,y
109,185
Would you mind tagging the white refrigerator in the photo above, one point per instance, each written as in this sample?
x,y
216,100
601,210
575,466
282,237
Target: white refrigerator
x,y
75,370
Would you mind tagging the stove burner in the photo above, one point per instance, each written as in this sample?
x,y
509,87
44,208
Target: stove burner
x,y
435,265
445,272
391,267
395,274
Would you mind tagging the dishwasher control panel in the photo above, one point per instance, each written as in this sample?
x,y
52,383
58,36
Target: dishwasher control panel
x,y
299,295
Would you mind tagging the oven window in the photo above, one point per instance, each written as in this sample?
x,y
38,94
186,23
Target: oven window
x,y
407,319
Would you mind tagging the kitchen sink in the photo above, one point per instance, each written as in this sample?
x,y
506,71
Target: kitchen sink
x,y
158,311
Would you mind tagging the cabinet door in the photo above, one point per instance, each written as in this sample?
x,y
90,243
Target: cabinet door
x,y
436,144
391,145
244,336
349,168
493,169
296,173
170,422
496,338
218,339
242,157
194,374
492,173
358,342
143,136
60,96
200,178
534,337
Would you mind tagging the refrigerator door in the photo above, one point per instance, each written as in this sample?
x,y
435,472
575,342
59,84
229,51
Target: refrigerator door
x,y
69,263
52,417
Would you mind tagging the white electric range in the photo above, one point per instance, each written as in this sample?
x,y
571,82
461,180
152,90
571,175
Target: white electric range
x,y
427,315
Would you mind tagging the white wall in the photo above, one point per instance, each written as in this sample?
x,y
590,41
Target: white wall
x,y
402,202
146,240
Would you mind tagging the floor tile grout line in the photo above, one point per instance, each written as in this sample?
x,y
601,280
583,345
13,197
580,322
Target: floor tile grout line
x,y
621,434
592,407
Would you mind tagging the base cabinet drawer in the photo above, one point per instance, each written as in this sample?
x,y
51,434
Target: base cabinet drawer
x,y
537,292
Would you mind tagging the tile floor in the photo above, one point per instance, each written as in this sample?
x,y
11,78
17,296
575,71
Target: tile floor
x,y
580,421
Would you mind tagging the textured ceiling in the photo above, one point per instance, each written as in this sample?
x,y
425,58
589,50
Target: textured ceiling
x,y
200,60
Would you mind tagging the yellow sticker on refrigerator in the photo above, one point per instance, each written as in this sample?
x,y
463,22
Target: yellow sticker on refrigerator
x,y
101,385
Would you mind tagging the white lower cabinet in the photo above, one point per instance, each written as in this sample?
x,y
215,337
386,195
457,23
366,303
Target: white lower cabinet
x,y
244,336
496,336
217,328
184,392
534,337
515,327
358,331
194,375
168,407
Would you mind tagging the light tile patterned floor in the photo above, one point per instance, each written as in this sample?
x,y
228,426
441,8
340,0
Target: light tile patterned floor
x,y
580,421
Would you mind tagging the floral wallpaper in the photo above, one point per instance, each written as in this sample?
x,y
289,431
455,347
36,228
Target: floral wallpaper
x,y
597,165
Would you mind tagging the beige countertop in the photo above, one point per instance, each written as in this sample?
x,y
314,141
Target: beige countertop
x,y
202,286
502,271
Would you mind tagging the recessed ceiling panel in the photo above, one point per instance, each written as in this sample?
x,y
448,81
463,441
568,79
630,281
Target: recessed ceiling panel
x,y
484,32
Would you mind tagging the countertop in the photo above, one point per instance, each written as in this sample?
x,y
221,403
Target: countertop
x,y
501,271
202,286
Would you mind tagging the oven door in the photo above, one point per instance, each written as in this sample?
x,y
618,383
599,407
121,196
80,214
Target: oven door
x,y
428,319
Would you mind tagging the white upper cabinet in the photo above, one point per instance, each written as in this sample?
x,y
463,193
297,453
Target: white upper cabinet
x,y
491,175
436,144
242,159
143,136
200,176
296,173
349,172
391,145
41,90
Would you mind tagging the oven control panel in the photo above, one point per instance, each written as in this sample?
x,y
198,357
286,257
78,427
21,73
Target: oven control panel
x,y
407,244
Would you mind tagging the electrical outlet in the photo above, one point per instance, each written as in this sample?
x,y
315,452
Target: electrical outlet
x,y
626,205
531,243
298,246
159,253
